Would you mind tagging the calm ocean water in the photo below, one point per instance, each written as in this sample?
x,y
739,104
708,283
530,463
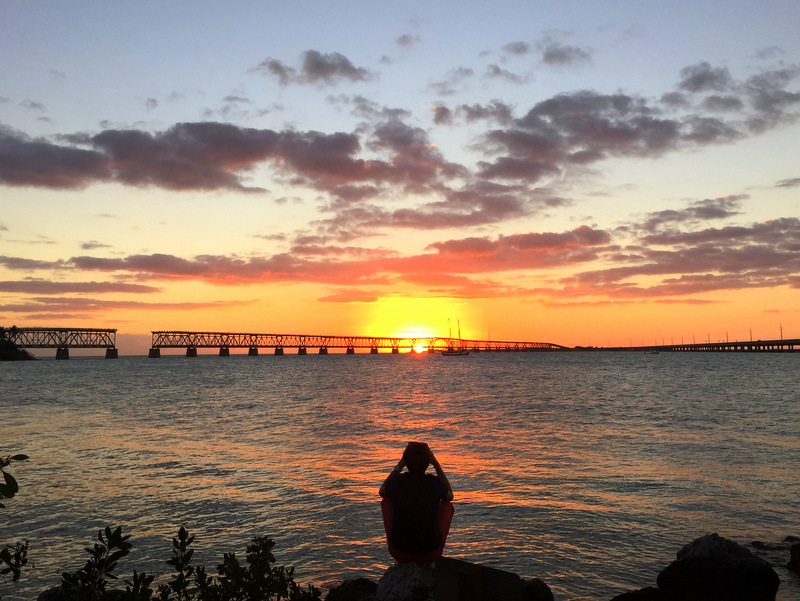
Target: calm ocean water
x,y
588,470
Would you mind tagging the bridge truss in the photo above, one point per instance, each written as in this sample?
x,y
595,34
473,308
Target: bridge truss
x,y
63,339
192,341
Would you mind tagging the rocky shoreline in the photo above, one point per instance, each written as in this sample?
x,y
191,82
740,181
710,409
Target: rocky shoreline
x,y
710,568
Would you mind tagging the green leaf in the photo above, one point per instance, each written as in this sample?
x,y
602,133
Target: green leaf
x,y
11,485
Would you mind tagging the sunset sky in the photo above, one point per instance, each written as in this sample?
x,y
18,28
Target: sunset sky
x,y
582,173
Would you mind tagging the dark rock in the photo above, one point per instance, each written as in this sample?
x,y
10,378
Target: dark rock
x,y
794,559
458,580
536,590
792,539
650,593
406,582
357,589
712,568
52,594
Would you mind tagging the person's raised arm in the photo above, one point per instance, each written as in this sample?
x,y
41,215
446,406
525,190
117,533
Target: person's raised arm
x,y
440,473
395,471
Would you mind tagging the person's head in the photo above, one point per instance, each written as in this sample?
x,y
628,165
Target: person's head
x,y
417,457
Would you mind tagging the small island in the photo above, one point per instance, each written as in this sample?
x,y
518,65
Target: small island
x,y
10,351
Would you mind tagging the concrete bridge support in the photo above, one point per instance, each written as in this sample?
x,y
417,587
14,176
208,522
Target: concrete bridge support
x,y
252,351
112,353
351,350
62,352
279,351
302,351
154,353
224,352
373,350
191,351
323,350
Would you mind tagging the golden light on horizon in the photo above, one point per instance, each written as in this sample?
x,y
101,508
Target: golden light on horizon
x,y
412,317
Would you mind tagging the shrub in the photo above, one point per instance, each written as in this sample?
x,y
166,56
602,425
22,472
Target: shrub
x,y
259,580
13,557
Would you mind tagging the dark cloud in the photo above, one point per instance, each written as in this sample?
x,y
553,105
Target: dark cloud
x,y
316,68
442,115
584,127
407,40
30,264
717,103
494,111
286,75
28,162
93,245
772,102
188,156
33,106
556,54
762,255
60,288
702,77
788,183
454,79
497,72
331,68
580,237
80,307
517,48
475,204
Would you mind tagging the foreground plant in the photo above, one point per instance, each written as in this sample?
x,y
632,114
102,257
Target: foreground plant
x,y
90,582
12,557
259,580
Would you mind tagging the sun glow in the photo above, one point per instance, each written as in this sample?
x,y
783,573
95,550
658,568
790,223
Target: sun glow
x,y
408,317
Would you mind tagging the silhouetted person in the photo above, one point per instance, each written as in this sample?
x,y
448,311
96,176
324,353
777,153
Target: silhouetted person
x,y
420,506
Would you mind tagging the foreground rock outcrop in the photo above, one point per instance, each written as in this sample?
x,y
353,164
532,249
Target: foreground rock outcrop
x,y
447,580
712,568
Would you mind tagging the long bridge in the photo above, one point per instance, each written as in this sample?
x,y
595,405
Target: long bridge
x,y
750,346
63,339
225,341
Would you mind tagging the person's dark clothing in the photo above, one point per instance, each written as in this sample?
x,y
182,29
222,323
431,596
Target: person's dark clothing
x,y
415,509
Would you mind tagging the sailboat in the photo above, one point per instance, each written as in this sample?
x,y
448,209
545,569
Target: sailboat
x,y
452,351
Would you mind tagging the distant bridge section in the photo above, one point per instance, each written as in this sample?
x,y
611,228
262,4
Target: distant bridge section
x,y
63,339
790,345
225,341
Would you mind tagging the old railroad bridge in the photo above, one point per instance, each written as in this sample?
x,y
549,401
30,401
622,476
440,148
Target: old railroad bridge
x,y
63,339
225,341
